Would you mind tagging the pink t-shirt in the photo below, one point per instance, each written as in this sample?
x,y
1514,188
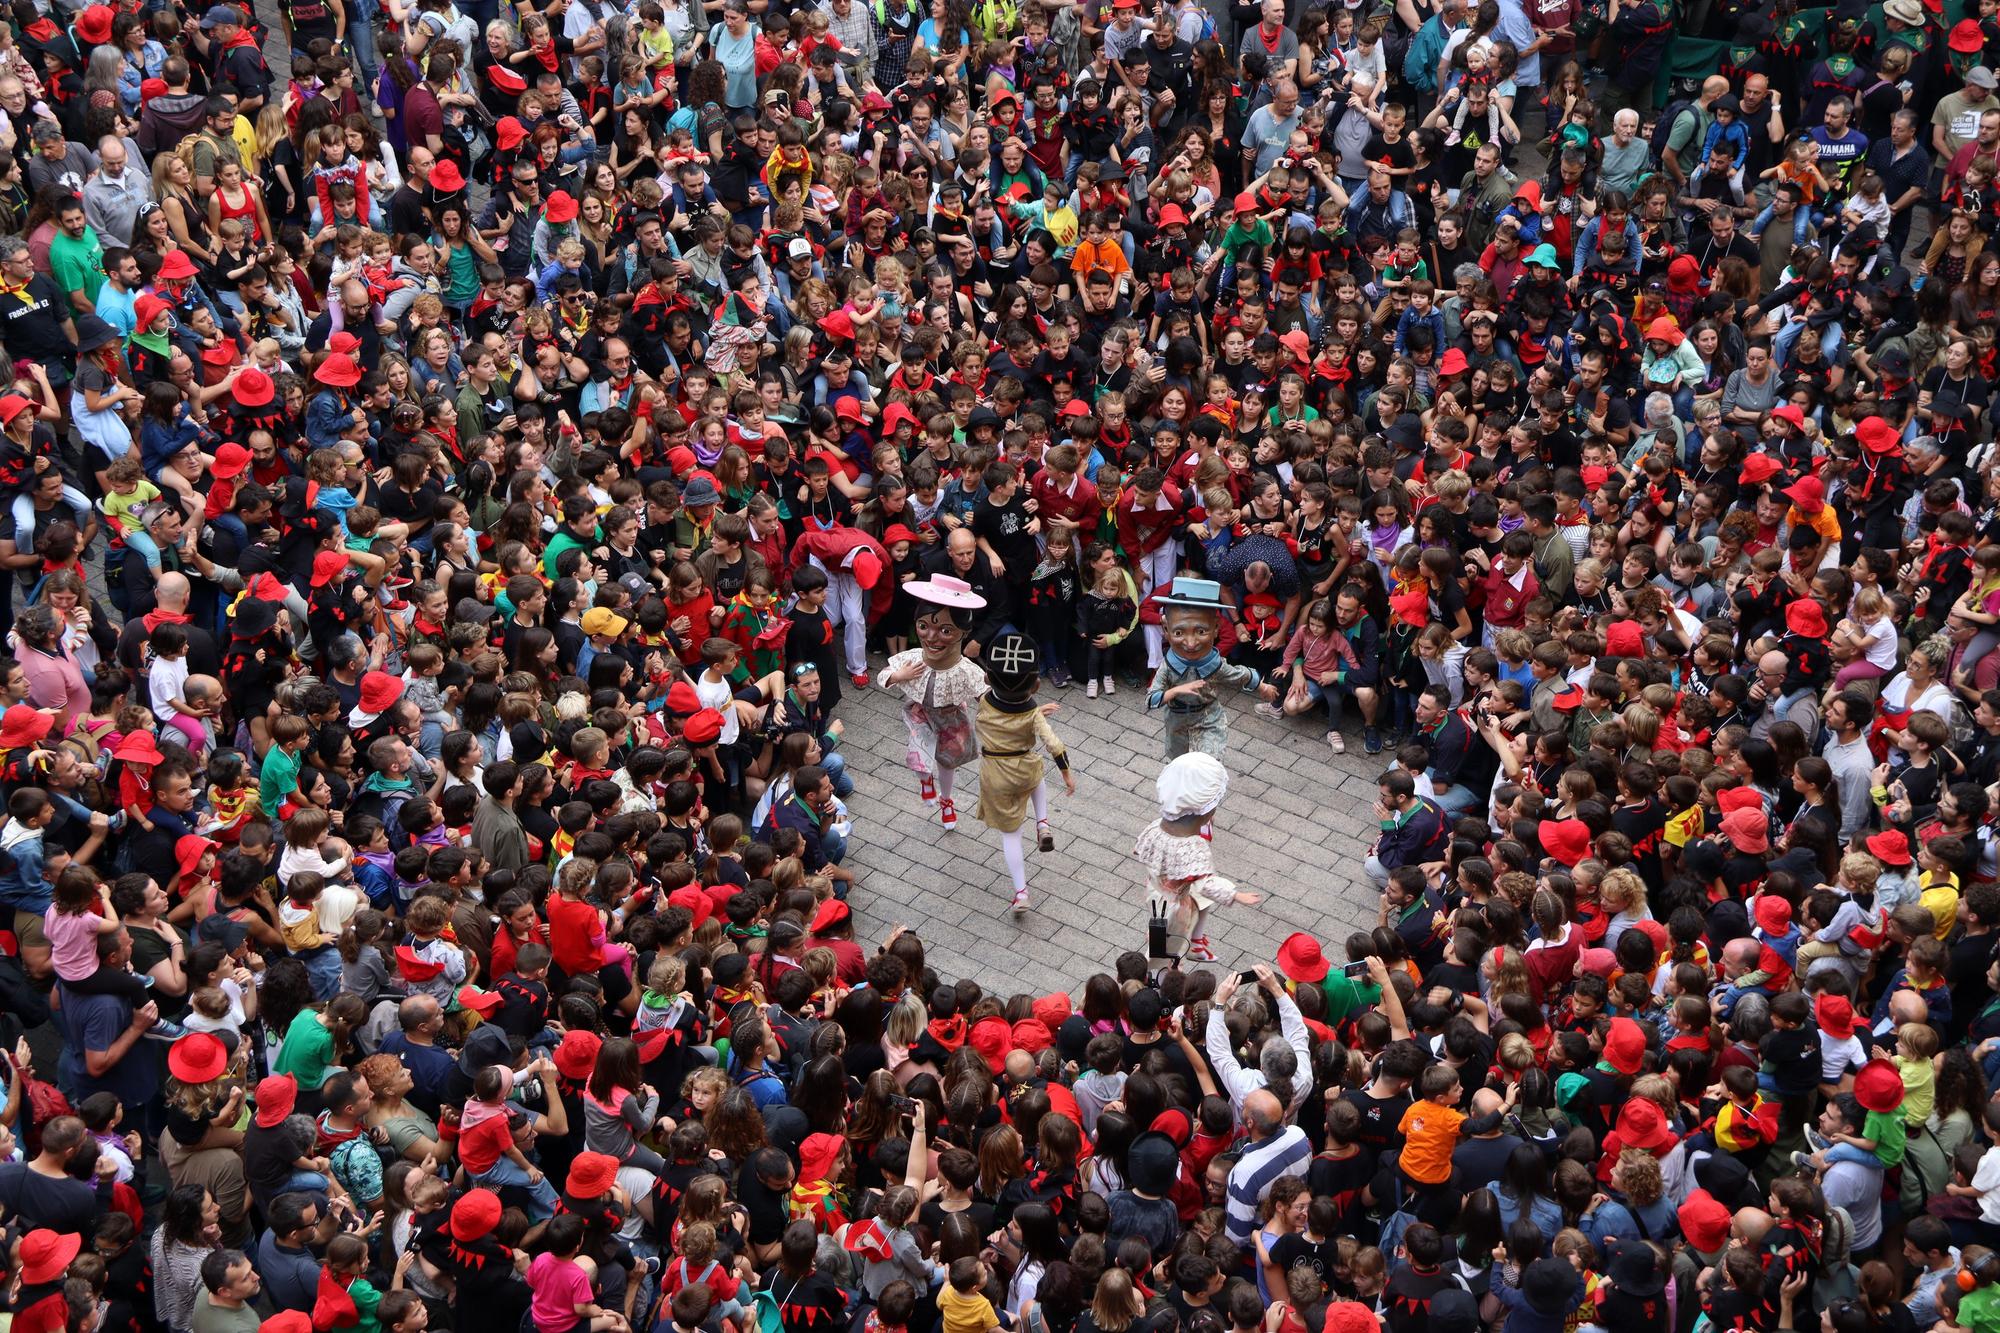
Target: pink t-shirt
x,y
559,1286
72,941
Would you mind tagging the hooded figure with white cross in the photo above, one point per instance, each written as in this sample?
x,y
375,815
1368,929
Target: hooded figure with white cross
x,y
1010,726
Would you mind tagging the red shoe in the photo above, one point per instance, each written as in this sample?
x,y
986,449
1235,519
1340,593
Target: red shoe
x,y
926,790
947,813
1020,904
1199,951
860,679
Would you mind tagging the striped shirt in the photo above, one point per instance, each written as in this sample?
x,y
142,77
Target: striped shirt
x,y
1262,1165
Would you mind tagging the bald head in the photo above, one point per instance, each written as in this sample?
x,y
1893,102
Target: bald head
x,y
1774,662
1262,1113
1713,87
1750,1225
172,592
1907,1006
1741,954
1487,1102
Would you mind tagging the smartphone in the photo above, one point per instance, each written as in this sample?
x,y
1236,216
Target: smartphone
x,y
1246,978
1359,969
901,1105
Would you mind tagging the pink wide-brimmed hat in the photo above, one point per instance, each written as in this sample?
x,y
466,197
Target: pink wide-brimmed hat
x,y
944,590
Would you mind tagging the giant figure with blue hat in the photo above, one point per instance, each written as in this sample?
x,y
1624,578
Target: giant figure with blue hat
x,y
1190,678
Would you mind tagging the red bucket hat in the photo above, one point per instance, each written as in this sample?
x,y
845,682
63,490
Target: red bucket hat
x,y
1301,958
199,1057
591,1175
576,1054
276,1096
1625,1046
1879,1086
475,1214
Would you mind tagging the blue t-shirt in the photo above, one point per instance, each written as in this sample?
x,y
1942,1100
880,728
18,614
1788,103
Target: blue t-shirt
x,y
94,1023
1838,156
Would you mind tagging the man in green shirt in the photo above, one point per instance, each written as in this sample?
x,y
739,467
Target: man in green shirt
x,y
76,258
578,532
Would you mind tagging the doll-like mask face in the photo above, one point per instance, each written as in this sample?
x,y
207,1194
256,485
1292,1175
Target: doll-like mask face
x,y
939,636
1191,631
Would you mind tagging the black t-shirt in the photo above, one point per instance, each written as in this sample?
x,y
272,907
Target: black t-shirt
x,y
310,18
930,1218
811,1305
1379,1118
61,1204
1342,1179
767,1208
31,323
401,506
268,1155
1294,1248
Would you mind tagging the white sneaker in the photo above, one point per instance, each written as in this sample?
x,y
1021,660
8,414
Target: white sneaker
x,y
1090,689
1269,711
1110,686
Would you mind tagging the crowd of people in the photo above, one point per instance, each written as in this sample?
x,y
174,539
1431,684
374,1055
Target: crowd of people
x,y
458,457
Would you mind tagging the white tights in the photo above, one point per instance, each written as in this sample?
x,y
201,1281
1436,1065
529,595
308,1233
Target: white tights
x,y
1010,841
944,778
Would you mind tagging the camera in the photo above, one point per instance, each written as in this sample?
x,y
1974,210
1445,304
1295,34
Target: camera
x,y
1354,971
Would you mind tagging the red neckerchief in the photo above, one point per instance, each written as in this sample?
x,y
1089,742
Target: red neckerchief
x,y
158,617
948,1032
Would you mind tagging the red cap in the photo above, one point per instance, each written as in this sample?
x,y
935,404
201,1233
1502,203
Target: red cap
x,y
137,747
379,689
1891,847
1567,840
24,724
231,458
1760,468
1834,1014
682,699
328,566
1879,1086
1705,1222
1301,958
831,913
445,178
704,728
694,900
506,80
849,409
1876,435
276,1096
1625,1046
46,1255
866,568
1791,412
1731,799
199,1057
189,848
1172,216
576,1054
1774,914
1804,617
475,1214
591,1174
992,1038
1808,493
11,406
253,388
1246,202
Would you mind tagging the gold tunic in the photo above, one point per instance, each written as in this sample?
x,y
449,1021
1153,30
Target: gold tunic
x,y
1009,766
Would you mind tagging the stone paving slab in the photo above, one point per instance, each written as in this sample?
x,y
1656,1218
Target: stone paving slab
x,y
1294,828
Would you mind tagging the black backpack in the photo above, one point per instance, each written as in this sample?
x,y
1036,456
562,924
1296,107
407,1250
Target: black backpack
x,y
1663,129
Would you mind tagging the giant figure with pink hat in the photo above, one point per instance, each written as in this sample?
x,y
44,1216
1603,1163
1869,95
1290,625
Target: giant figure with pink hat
x,y
940,688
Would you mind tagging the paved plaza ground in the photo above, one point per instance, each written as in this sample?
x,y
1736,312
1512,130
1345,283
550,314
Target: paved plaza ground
x,y
1295,827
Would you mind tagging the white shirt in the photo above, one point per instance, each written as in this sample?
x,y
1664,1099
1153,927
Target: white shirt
x,y
720,696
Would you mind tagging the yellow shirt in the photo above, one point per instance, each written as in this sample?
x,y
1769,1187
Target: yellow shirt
x,y
118,508
1919,1089
1939,895
656,46
966,1312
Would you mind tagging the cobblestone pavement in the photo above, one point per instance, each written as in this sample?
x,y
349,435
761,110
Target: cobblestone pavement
x,y
1295,827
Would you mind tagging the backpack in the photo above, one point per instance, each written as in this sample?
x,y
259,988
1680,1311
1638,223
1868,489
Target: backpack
x,y
1663,129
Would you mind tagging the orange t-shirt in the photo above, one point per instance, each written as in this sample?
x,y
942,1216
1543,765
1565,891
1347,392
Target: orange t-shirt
x,y
1110,257
1430,1133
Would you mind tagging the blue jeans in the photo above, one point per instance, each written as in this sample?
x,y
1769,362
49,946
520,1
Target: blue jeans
x,y
1847,1152
832,845
835,764
1803,223
323,968
506,1172
1781,345
1460,799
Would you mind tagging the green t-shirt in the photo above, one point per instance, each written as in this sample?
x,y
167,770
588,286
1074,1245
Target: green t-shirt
x,y
77,265
307,1051
1889,1135
1979,1310
278,778
564,540
1238,236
